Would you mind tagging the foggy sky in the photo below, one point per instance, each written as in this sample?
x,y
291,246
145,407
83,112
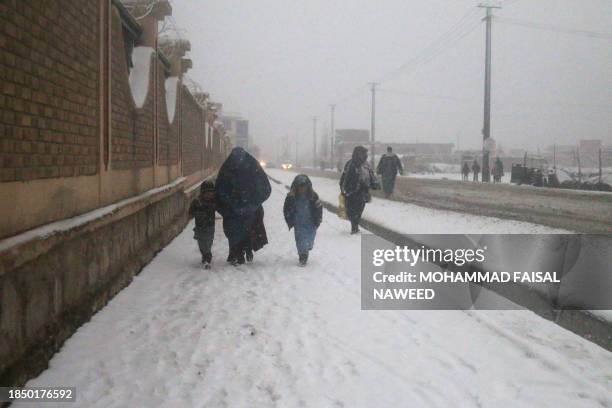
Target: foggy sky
x,y
280,62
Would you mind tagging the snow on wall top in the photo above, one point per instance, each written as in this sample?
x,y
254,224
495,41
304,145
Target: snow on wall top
x,y
139,76
171,92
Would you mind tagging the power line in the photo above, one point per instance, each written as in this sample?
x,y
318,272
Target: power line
x,y
556,29
455,33
458,31
425,96
436,53
352,95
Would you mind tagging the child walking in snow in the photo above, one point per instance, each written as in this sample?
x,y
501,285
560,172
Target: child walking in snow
x,y
203,210
304,212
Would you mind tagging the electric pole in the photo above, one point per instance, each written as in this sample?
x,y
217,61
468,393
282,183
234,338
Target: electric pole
x,y
333,136
373,123
297,161
286,152
314,143
486,129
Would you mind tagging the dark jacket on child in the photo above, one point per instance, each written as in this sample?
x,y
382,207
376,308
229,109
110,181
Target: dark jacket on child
x,y
204,212
316,208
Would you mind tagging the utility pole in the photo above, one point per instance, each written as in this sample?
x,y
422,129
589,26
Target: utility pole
x,y
297,161
373,124
286,152
314,143
579,165
333,136
486,129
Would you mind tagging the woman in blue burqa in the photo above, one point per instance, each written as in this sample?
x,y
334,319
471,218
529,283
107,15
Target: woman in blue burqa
x,y
242,186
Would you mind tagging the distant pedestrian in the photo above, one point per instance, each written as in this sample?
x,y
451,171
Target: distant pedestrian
x,y
202,208
498,170
355,183
303,212
475,169
388,168
242,187
465,171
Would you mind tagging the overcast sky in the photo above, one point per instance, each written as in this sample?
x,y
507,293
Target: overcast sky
x,y
281,62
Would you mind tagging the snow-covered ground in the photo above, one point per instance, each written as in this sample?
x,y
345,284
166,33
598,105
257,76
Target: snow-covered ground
x,y
448,176
587,174
273,334
413,219
445,171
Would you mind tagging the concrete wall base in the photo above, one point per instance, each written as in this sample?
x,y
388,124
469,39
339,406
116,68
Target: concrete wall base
x,y
51,285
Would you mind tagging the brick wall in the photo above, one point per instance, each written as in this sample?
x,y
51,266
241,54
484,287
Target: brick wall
x,y
48,89
168,134
54,82
132,129
194,133
71,137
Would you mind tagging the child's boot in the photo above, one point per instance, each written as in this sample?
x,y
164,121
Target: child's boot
x,y
303,259
231,258
237,257
206,261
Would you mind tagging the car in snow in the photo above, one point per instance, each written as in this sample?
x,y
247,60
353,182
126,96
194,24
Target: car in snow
x,y
286,165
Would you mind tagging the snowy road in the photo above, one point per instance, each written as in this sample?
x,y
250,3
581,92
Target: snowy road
x,y
413,219
273,334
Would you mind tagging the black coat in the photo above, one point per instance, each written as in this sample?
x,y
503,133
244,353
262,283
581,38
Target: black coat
x,y
498,168
203,212
258,237
241,188
354,187
316,207
389,165
351,183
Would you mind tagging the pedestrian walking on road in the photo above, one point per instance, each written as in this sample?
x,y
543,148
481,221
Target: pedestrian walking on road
x,y
242,187
476,169
303,212
355,183
388,168
465,172
498,170
202,208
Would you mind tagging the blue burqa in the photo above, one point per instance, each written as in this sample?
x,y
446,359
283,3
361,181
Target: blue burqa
x,y
305,228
